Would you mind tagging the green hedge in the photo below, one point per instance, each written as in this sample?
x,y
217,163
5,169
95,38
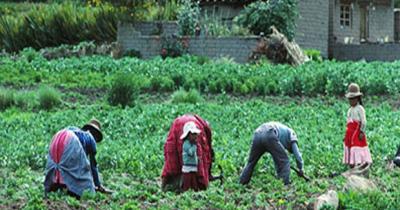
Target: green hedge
x,y
311,79
47,25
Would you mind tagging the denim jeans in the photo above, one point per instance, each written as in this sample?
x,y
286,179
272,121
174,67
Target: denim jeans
x,y
267,141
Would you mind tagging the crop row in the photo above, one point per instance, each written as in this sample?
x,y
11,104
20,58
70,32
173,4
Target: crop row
x,y
311,79
131,157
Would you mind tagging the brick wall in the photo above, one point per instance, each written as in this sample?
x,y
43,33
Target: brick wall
x,y
238,48
369,52
313,25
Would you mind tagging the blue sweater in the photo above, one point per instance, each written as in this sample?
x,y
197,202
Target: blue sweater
x,y
89,145
189,154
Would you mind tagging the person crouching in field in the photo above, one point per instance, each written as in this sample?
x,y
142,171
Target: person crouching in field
x,y
71,162
189,155
179,173
356,150
274,138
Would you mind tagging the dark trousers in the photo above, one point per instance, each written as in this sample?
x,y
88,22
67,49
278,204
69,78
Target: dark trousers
x,y
190,181
55,187
267,141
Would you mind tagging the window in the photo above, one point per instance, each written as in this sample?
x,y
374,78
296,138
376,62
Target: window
x,y
345,15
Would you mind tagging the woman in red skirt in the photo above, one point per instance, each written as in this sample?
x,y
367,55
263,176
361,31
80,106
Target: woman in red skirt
x,y
356,150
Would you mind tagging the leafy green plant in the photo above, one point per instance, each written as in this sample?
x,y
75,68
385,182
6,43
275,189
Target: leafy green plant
x,y
208,76
188,17
259,16
6,98
163,10
172,47
55,24
214,26
182,96
122,90
29,54
48,97
314,55
25,100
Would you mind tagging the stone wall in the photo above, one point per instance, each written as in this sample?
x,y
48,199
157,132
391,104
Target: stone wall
x,y
238,48
369,52
313,25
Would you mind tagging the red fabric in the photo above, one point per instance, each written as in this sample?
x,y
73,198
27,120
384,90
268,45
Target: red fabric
x,y
190,181
352,133
56,150
173,149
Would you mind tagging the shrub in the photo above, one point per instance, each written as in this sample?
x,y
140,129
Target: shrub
x,y
56,24
29,54
191,96
314,55
260,16
133,53
188,17
123,90
48,97
25,100
6,98
172,47
162,83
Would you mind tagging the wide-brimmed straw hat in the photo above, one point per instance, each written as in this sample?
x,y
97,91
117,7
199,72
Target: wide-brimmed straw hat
x,y
353,91
190,127
94,128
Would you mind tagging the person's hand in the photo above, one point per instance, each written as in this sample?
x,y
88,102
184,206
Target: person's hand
x,y
361,136
103,190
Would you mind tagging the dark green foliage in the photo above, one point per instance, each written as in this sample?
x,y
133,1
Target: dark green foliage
x,y
314,55
261,15
123,90
49,98
310,79
6,98
192,96
133,53
56,24
188,17
172,46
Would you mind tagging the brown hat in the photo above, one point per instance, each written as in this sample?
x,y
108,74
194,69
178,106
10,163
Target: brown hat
x,y
353,91
94,128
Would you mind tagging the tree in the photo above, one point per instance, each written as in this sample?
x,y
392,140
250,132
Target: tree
x,y
259,16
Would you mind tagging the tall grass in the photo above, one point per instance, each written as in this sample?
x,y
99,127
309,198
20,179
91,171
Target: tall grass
x,y
56,24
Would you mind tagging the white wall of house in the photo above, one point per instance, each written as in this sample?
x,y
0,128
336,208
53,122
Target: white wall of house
x,y
380,24
346,34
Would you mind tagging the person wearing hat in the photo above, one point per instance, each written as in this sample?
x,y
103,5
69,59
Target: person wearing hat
x,y
274,138
179,158
71,162
189,156
356,151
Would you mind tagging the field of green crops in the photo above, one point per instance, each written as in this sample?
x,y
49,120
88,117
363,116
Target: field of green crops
x,y
131,156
